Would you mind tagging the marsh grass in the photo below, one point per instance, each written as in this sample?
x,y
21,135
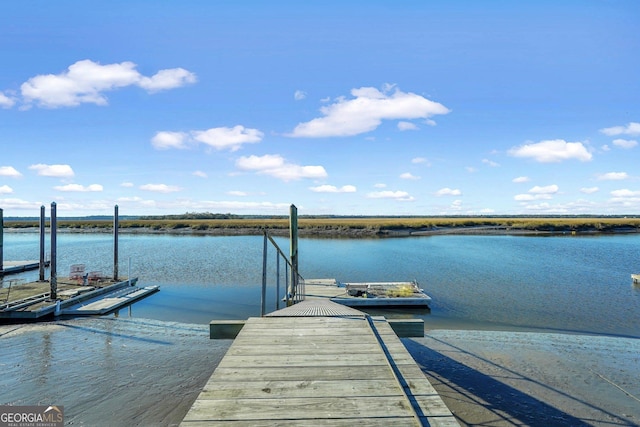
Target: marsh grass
x,y
363,225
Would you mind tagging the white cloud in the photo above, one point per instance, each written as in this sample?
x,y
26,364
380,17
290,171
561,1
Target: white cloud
x,y
419,160
19,204
299,95
167,79
589,190
333,189
490,163
538,193
625,193
555,150
164,140
408,175
524,197
471,169
221,138
407,126
199,174
366,111
79,188
521,179
276,166
228,138
397,195
456,205
9,171
613,176
234,206
237,193
5,189
160,188
86,81
549,189
633,128
129,199
126,184
605,148
625,143
53,170
448,192
380,185
5,101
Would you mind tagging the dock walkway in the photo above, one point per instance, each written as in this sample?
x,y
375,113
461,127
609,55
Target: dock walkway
x,y
318,363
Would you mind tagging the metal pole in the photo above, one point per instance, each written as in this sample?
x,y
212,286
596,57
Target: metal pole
x,y
42,260
115,243
286,280
264,276
1,241
293,230
54,254
277,281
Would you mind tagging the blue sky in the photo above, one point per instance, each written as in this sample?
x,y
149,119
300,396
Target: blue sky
x,y
365,108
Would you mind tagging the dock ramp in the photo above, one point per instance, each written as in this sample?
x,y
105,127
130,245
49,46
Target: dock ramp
x,y
318,363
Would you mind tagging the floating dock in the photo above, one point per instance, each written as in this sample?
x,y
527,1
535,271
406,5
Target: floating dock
x,y
14,267
318,363
32,300
367,294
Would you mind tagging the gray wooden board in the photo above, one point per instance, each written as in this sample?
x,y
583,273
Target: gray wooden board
x,y
314,388
299,388
304,408
328,422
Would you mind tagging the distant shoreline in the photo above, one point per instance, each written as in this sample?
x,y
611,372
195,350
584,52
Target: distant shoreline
x,y
338,232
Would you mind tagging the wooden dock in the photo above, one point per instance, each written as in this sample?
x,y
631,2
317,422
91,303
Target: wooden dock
x,y
318,363
32,300
14,267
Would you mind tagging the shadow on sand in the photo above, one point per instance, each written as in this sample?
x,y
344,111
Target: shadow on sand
x,y
483,400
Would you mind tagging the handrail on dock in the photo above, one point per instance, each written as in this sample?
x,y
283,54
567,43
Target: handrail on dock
x,y
295,291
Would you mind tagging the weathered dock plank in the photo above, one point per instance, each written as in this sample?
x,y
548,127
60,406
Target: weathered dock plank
x,y
315,371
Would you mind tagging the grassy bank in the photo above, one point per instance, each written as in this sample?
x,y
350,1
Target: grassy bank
x,y
356,226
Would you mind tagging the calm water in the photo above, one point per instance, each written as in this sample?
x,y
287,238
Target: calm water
x,y
564,284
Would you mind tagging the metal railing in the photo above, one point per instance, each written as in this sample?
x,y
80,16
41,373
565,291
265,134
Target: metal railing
x,y
294,290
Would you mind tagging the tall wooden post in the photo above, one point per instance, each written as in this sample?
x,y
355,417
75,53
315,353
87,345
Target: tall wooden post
x,y
42,260
293,249
54,253
115,243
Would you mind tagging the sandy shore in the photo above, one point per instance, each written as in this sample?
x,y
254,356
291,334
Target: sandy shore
x,y
136,372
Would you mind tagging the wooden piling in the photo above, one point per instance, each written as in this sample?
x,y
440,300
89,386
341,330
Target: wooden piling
x,y
116,225
54,253
42,264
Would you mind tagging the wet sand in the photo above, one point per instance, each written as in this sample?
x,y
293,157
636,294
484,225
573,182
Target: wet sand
x,y
533,379
135,372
